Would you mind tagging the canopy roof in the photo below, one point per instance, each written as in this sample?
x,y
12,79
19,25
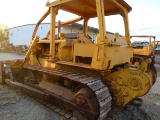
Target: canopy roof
x,y
87,8
142,36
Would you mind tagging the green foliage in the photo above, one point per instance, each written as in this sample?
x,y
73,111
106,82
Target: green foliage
x,y
4,34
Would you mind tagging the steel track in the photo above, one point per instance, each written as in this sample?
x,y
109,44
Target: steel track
x,y
63,112
95,85
100,90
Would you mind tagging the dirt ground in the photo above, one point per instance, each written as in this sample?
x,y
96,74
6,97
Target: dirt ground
x,y
15,105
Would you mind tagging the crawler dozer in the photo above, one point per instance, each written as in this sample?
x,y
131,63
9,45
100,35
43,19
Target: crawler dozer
x,y
144,51
87,78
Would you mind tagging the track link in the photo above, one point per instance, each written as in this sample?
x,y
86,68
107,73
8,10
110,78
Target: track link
x,y
100,90
64,113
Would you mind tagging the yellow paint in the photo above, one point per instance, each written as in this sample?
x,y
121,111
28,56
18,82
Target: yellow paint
x,y
111,55
128,84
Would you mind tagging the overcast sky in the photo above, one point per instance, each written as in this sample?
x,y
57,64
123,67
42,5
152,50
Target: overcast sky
x,y
144,19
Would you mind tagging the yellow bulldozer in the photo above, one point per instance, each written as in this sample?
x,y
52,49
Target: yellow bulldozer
x,y
144,47
86,78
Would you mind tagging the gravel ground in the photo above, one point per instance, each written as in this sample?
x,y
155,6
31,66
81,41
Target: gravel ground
x,y
14,105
